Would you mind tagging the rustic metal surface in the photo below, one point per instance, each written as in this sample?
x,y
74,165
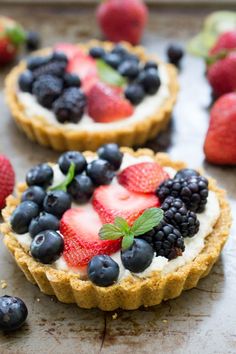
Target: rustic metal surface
x,y
202,319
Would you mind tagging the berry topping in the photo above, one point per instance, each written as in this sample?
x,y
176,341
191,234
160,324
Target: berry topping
x,y
112,59
57,202
76,157
22,216
103,271
115,200
143,177
32,40
47,89
59,56
106,105
120,50
186,173
97,52
13,313
7,178
192,191
176,214
112,154
40,175
54,68
71,80
134,93
138,256
43,222
47,246
25,81
35,62
70,50
69,107
150,64
129,69
34,193
100,171
175,53
81,188
80,228
150,81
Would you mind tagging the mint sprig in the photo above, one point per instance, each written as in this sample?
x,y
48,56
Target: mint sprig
x,y
68,179
120,229
108,75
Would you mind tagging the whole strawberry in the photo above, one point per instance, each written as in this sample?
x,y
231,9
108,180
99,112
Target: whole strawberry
x,y
11,36
7,180
220,142
122,20
222,74
226,41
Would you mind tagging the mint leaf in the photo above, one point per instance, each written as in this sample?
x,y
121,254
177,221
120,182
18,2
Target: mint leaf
x,y
68,179
127,241
110,232
16,34
147,221
109,75
122,224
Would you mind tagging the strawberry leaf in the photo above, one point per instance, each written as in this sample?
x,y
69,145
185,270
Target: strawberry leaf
x,y
109,75
16,34
147,221
68,179
110,232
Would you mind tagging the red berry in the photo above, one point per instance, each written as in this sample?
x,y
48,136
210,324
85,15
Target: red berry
x,y
227,40
80,227
106,104
70,50
114,200
7,51
220,142
144,177
7,180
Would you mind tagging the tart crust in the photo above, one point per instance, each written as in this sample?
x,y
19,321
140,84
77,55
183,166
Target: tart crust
x,y
131,292
60,138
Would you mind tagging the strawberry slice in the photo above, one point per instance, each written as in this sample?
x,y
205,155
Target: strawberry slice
x,y
106,104
143,177
70,50
114,200
85,67
80,227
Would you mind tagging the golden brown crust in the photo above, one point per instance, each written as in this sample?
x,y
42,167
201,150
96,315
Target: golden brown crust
x,y
60,138
130,293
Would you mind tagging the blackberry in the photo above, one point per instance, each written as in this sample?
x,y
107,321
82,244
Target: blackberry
x,y
69,107
56,68
47,89
176,214
35,62
192,191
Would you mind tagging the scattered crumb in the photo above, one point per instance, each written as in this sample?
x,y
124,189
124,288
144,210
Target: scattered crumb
x,y
3,284
114,316
38,299
164,321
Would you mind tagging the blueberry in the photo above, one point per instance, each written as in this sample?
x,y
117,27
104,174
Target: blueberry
x,y
103,271
59,56
13,313
25,81
40,175
131,57
68,157
138,256
150,81
32,40
22,216
129,69
112,59
35,62
175,53
111,153
71,80
34,193
97,52
150,64
186,173
57,202
120,50
100,172
81,188
43,222
134,93
47,246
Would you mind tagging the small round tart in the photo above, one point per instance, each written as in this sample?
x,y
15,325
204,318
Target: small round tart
x,y
145,113
108,284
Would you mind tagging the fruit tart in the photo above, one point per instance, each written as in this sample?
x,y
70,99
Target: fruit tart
x,y
115,228
78,97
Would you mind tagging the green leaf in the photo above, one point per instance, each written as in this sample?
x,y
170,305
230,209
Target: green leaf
x,y
147,221
108,75
127,241
122,224
68,179
110,232
16,34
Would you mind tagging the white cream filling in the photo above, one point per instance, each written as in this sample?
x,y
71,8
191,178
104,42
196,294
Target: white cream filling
x,y
193,246
145,109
